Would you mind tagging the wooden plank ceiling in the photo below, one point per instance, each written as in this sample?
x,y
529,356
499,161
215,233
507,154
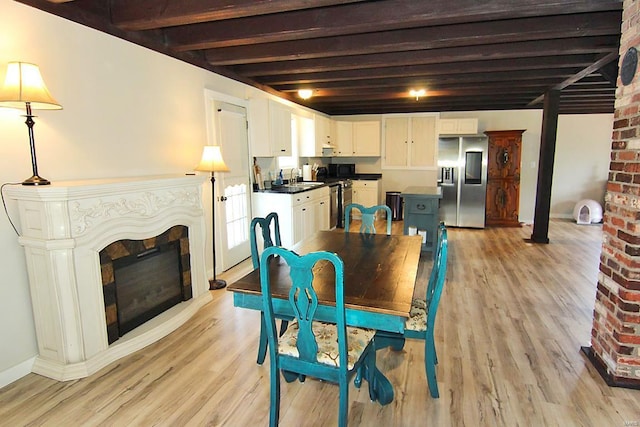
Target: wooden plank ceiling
x,y
363,57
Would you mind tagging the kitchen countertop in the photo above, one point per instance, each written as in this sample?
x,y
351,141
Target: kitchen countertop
x,y
300,187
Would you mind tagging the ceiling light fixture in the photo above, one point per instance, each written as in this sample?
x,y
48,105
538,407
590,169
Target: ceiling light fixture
x,y
417,93
305,93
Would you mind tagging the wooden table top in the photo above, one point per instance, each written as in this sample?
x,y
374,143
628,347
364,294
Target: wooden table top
x,y
380,271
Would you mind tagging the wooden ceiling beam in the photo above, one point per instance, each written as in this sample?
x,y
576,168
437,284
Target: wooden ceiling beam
x,y
606,59
514,64
569,46
383,15
151,14
446,36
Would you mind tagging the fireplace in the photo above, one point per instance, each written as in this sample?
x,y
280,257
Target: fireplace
x,y
143,278
77,233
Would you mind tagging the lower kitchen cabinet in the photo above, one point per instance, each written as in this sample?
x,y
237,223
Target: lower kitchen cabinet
x,y
300,214
365,193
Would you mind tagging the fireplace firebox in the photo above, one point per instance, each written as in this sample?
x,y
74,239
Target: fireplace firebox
x,y
143,278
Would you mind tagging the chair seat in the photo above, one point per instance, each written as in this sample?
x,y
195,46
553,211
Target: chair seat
x,y
327,338
418,316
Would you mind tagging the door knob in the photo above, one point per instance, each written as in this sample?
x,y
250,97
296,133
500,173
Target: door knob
x,y
223,199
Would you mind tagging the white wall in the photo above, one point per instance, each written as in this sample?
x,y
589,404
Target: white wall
x,y
582,159
127,111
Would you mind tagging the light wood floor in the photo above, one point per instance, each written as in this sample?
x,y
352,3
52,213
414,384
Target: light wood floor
x,y
511,323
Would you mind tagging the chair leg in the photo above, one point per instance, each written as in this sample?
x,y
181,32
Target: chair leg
x,y
262,347
274,408
430,366
343,414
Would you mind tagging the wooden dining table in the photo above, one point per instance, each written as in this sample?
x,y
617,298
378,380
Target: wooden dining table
x,y
379,278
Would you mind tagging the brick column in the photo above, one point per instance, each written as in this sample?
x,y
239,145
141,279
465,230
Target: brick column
x,y
615,337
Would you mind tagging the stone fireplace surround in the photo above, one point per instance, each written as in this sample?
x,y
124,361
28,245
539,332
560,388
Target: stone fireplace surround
x,y
64,226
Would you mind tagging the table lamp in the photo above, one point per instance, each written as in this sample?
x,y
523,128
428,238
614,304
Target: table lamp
x,y
23,86
212,162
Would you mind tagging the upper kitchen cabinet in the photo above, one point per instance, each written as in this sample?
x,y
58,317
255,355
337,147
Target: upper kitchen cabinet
x,y
410,142
312,145
323,131
269,128
466,126
353,139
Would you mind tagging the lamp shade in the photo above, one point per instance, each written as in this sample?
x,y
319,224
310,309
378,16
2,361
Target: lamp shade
x,y
212,160
23,83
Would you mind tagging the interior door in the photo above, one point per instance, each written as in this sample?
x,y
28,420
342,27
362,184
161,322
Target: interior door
x,y
234,187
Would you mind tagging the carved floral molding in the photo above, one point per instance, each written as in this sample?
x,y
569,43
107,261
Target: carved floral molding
x,y
147,205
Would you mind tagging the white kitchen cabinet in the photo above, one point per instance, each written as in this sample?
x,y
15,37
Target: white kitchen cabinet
x,y
300,214
353,139
323,132
343,132
410,142
269,128
310,216
317,139
366,138
464,126
366,192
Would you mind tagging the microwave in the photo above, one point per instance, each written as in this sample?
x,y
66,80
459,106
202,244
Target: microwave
x,y
345,170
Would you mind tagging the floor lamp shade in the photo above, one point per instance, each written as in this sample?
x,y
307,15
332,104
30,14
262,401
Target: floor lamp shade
x,y
24,88
212,162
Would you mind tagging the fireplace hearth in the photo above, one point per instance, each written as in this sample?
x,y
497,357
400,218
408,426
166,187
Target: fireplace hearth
x,y
67,230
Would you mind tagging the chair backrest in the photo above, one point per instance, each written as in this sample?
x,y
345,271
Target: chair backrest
x,y
303,300
433,277
368,217
265,225
437,278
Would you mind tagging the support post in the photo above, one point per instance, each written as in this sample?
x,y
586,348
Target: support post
x,y
545,167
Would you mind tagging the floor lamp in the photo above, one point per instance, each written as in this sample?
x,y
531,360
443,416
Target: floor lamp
x,y
212,162
24,87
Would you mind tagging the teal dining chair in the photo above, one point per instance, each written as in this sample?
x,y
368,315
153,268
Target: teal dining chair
x,y
422,316
368,217
331,352
268,225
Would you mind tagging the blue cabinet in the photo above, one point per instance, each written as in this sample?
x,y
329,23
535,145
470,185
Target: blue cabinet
x,y
421,205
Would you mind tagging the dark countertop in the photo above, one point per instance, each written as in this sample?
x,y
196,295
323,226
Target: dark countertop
x,y
368,176
359,176
293,188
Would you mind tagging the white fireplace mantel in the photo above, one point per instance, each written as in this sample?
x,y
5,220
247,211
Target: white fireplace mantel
x,y
64,226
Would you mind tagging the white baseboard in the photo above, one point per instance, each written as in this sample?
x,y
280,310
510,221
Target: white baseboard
x,y
16,372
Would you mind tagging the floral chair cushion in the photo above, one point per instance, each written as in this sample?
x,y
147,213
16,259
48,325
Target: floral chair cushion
x,y
327,338
418,316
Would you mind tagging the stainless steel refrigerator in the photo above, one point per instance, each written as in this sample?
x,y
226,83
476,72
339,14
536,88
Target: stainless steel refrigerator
x,y
462,174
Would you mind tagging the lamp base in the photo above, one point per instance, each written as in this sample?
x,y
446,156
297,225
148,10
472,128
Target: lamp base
x,y
36,180
217,284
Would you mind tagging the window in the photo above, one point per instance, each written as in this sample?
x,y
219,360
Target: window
x,y
286,163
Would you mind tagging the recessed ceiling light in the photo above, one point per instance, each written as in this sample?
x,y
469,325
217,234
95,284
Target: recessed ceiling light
x,y
305,93
417,93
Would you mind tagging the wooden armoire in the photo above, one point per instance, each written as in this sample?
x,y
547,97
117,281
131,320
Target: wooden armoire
x,y
503,180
